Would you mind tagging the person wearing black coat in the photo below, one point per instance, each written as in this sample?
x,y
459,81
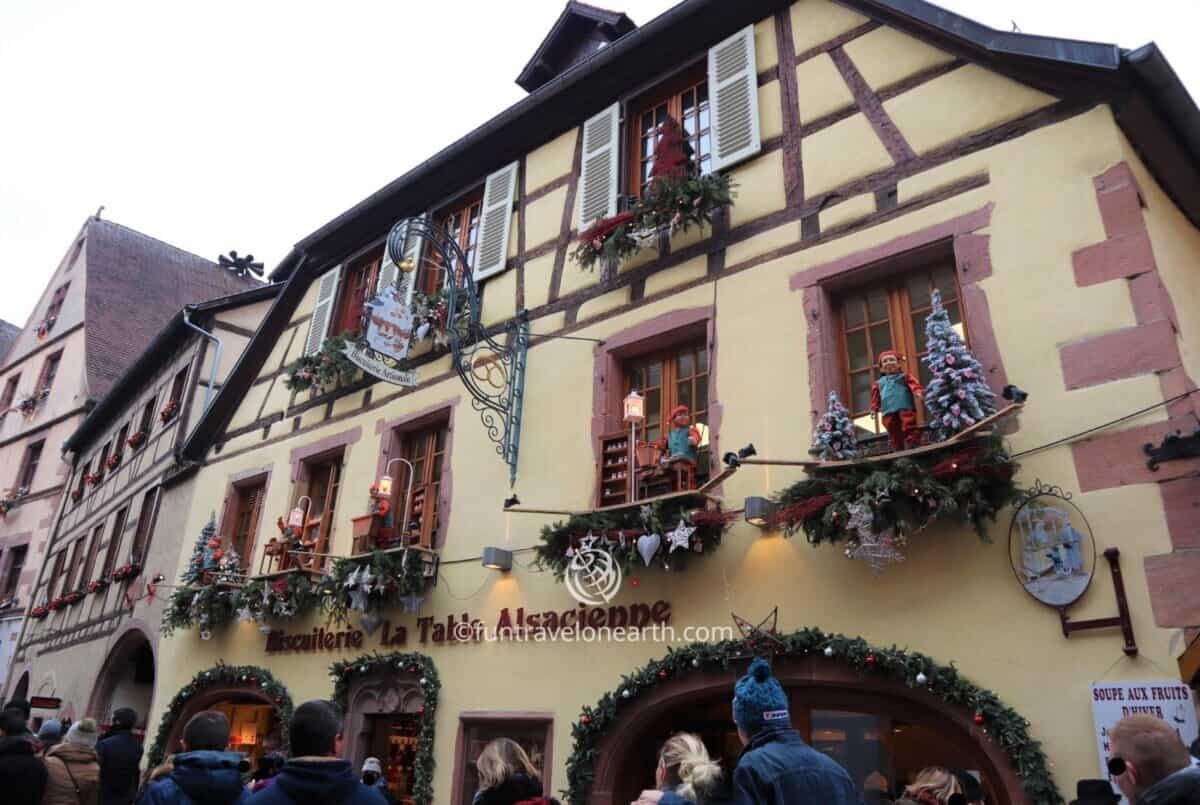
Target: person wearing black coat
x,y
507,776
120,755
22,772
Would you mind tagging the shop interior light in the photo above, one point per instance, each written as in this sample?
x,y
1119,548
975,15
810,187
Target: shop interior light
x,y
759,511
497,559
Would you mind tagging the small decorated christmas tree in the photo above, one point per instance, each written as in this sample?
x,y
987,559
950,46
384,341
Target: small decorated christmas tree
x,y
833,439
958,395
206,554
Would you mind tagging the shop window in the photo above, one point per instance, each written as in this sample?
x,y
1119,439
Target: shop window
x,y
49,371
358,285
114,541
461,222
324,480
29,464
533,733
684,100
93,550
145,525
10,392
890,315
12,576
247,502
425,449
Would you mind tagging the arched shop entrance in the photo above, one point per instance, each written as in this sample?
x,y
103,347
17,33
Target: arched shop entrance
x,y
865,713
126,678
258,707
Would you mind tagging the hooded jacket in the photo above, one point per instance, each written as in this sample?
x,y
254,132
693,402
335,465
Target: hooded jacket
x,y
22,771
778,768
120,753
205,777
1180,788
520,788
315,781
69,766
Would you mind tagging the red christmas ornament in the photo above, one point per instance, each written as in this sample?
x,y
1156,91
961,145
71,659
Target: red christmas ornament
x,y
585,720
662,674
979,718
421,710
635,581
870,659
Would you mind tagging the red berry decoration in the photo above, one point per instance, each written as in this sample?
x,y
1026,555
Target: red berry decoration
x,y
585,720
979,719
870,659
662,674
635,581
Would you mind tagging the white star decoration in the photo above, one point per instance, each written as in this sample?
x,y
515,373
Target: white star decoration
x,y
681,537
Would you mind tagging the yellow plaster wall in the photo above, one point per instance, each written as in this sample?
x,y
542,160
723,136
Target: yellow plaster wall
x,y
759,188
885,56
968,100
677,275
537,280
499,297
547,162
766,49
770,111
850,210
846,150
820,88
544,218
815,22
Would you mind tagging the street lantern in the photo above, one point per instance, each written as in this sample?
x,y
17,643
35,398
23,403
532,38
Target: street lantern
x,y
635,408
385,486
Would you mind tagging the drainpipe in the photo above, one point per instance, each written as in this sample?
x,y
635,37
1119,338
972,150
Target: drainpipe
x,y
216,355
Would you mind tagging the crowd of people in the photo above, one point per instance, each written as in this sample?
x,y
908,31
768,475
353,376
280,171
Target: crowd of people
x,y
78,766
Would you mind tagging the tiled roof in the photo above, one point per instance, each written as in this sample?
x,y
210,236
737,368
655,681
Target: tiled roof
x,y
8,334
135,284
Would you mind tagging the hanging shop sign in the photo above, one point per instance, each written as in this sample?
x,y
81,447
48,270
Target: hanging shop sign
x,y
45,702
1051,547
1167,699
386,339
583,623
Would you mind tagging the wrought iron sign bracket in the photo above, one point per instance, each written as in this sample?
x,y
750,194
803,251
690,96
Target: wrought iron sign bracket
x,y
1113,555
1175,446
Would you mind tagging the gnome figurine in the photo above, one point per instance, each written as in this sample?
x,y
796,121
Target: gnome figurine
x,y
894,395
683,439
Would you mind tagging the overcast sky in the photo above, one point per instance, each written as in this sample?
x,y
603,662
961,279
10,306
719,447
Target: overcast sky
x,y
228,124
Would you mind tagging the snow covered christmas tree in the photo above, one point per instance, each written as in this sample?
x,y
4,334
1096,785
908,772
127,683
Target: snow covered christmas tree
x,y
833,439
206,554
958,395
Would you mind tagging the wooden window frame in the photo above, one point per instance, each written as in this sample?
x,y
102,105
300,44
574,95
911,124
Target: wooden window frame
x,y
233,514
93,552
900,324
178,384
425,488
146,423
56,576
357,284
324,523
143,530
12,571
116,537
10,391
432,273
669,383
81,484
102,461
57,300
470,720
669,91
74,565
49,371
27,473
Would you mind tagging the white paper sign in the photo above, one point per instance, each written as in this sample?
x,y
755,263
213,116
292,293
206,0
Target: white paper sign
x,y
1170,700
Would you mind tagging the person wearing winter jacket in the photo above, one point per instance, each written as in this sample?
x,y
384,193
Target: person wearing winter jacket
x,y
1150,764
50,734
204,773
776,766
73,767
507,776
686,770
120,755
317,774
268,768
22,772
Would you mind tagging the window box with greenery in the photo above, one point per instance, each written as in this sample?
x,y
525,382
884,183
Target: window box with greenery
x,y
93,478
12,500
326,369
136,439
113,461
169,411
127,572
39,612
98,585
43,329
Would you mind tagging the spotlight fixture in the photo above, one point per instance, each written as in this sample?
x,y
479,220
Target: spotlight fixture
x,y
759,511
1014,394
511,501
732,459
497,559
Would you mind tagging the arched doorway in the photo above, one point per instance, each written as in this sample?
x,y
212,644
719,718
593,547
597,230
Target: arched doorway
x,y
383,720
882,731
126,679
21,691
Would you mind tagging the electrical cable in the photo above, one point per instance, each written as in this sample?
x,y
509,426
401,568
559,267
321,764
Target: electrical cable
x,y
450,593
1116,421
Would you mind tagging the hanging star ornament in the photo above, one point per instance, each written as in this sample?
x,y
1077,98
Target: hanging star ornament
x,y
681,537
762,638
876,548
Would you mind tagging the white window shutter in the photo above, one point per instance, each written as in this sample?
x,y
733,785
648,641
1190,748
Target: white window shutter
x,y
327,285
491,255
598,172
412,253
387,272
733,93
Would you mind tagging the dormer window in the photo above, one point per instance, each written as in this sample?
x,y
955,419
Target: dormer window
x,y
579,31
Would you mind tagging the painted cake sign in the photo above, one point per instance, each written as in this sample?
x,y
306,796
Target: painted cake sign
x,y
1051,547
386,339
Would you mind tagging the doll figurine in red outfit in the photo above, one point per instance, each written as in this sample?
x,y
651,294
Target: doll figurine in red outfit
x,y
894,395
683,438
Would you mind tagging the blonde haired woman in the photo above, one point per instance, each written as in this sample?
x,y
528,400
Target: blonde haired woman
x,y
935,786
507,776
686,770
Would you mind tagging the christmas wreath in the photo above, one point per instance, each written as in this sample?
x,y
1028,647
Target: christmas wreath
x,y
324,369
223,676
371,584
391,664
665,530
1002,724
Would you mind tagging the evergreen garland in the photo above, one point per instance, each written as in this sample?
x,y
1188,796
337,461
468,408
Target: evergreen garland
x,y
392,664
396,574
633,521
1000,723
325,369
966,482
222,675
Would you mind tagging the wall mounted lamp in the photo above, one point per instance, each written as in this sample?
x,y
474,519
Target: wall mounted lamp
x,y
759,511
497,559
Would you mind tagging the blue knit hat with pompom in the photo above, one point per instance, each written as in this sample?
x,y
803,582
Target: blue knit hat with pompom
x,y
759,700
